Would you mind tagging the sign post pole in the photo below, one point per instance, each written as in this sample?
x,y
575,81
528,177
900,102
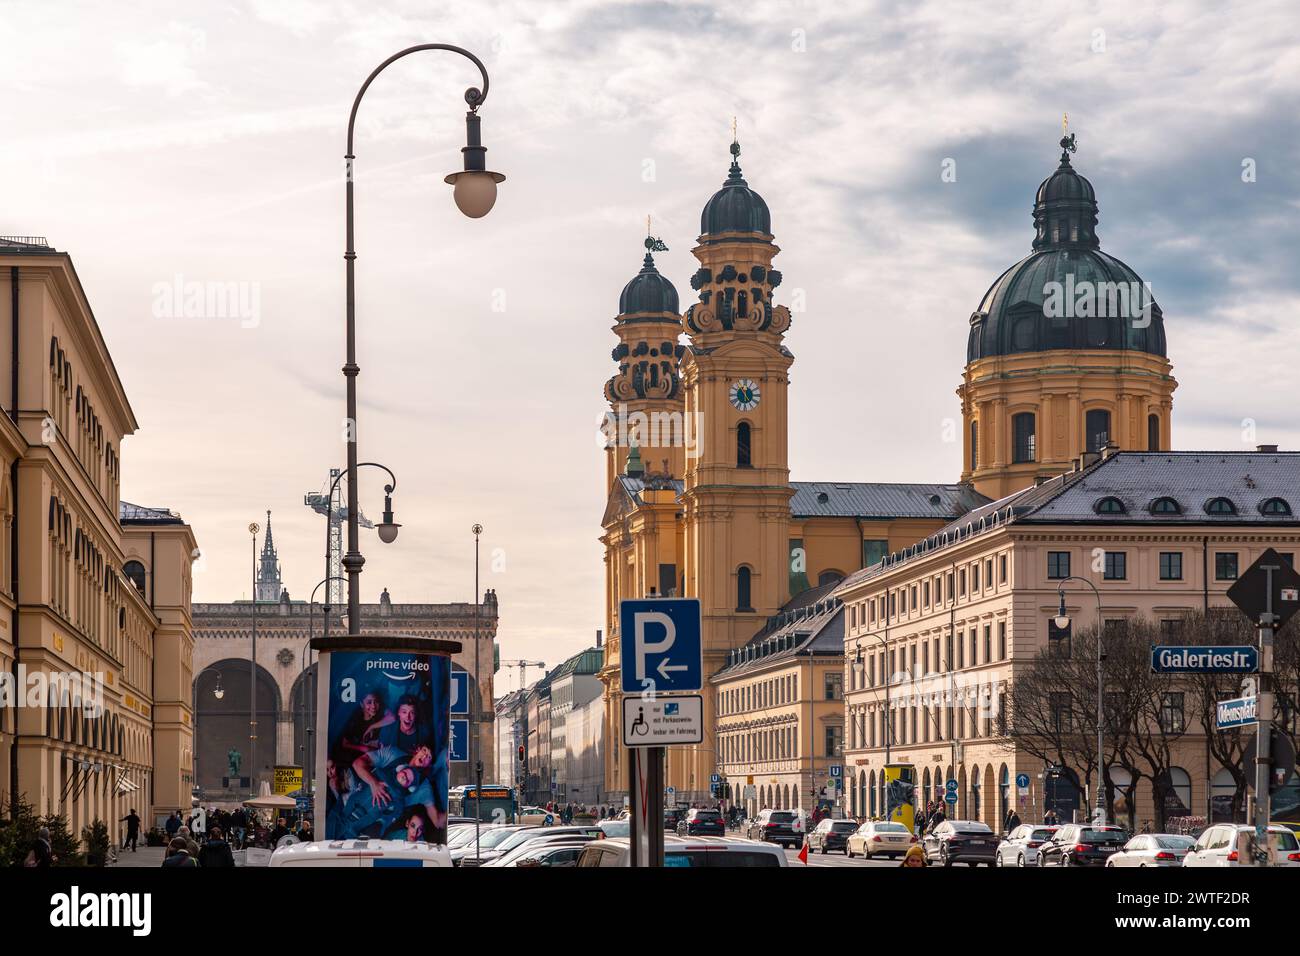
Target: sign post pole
x,y
1263,738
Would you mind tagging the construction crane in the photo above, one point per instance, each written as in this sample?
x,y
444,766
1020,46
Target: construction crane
x,y
320,502
523,669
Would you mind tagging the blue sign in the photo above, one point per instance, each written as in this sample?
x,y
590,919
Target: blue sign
x,y
660,645
458,749
1022,781
951,787
1237,712
837,770
950,797
1204,660
715,778
460,692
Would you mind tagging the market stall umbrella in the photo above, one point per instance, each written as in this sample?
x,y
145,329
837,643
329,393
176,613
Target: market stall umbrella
x,y
266,800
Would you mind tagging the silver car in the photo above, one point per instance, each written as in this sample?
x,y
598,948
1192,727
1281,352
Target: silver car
x,y
1020,846
1153,849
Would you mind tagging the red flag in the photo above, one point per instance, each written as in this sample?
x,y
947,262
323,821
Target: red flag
x,y
803,853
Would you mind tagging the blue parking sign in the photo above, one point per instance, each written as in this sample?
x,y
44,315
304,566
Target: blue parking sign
x,y
460,692
659,642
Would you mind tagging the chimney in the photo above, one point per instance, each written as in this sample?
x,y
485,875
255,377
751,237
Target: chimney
x,y
1266,449
1110,449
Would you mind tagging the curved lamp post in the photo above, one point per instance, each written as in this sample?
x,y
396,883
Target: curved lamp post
x,y
387,529
474,190
309,708
218,692
1062,621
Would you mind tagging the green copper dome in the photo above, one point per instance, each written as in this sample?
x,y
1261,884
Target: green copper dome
x,y
735,207
648,292
1067,294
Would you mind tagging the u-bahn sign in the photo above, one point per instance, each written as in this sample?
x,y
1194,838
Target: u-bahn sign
x,y
1181,659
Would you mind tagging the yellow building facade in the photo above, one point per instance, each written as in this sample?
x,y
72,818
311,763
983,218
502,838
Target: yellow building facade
x,y
700,499
94,591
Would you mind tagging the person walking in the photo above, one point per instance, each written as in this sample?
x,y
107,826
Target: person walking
x,y
173,824
239,826
42,854
305,834
178,855
1012,821
132,821
216,852
278,831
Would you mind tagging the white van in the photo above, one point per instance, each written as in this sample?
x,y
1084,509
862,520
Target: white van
x,y
374,853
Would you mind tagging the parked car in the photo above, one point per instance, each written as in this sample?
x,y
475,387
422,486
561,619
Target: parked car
x,y
1228,844
831,834
960,841
361,853
530,834
673,816
1153,849
464,855
702,822
879,838
559,853
622,827
695,852
775,826
1081,844
1020,846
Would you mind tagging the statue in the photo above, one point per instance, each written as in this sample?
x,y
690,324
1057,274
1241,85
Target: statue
x,y
234,757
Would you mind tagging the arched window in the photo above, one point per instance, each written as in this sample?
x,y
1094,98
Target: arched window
x,y
1153,433
1097,426
1022,428
1166,506
1109,505
974,445
134,572
742,589
1275,506
743,456
1220,506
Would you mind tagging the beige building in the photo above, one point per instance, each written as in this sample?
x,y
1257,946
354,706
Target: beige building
x,y
781,708
938,632
92,588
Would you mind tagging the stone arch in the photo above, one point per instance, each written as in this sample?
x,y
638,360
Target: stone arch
x,y
222,724
991,801
963,805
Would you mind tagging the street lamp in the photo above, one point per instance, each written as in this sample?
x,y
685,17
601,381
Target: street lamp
x,y
387,533
474,190
860,666
309,692
476,530
218,692
252,674
1062,621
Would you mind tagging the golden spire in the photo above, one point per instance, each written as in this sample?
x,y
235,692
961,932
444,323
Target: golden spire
x,y
1065,124
733,130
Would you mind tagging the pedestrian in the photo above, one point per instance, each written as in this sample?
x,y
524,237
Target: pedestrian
x,y
915,856
278,831
178,855
42,854
173,824
1012,821
936,818
132,821
304,833
239,825
183,833
216,852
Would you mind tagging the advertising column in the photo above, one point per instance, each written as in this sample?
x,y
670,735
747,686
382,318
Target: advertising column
x,y
382,736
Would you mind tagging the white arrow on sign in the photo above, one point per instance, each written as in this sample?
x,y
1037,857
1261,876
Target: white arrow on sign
x,y
664,667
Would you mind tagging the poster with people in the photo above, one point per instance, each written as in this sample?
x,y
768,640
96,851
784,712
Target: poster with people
x,y
386,746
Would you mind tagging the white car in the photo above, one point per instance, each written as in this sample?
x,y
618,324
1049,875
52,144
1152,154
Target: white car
x,y
1153,849
1020,846
692,852
362,853
880,838
543,853
1228,844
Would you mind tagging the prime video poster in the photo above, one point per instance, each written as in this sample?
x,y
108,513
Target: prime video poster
x,y
386,746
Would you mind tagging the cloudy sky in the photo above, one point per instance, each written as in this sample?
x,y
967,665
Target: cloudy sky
x,y
202,142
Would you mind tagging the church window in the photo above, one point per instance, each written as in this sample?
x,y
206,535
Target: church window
x,y
974,445
1022,426
743,457
1097,426
743,575
1153,433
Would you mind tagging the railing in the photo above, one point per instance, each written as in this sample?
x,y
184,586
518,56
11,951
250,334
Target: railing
x,y
24,240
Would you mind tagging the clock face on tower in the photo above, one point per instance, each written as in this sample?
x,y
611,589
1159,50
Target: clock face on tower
x,y
744,395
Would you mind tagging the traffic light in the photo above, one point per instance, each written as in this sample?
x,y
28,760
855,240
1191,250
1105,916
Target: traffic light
x,y
521,753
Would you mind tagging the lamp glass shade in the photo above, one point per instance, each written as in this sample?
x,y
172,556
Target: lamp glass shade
x,y
475,192
387,531
1062,622
219,693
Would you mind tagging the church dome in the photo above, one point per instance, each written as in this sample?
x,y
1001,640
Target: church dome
x,y
648,292
1067,294
735,207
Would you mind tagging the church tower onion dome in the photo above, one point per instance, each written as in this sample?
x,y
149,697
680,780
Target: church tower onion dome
x,y
735,207
648,292
1067,294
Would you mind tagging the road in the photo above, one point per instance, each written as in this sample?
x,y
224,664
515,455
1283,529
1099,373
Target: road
x,y
835,859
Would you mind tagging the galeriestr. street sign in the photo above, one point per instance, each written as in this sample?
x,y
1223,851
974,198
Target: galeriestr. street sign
x,y
1269,586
